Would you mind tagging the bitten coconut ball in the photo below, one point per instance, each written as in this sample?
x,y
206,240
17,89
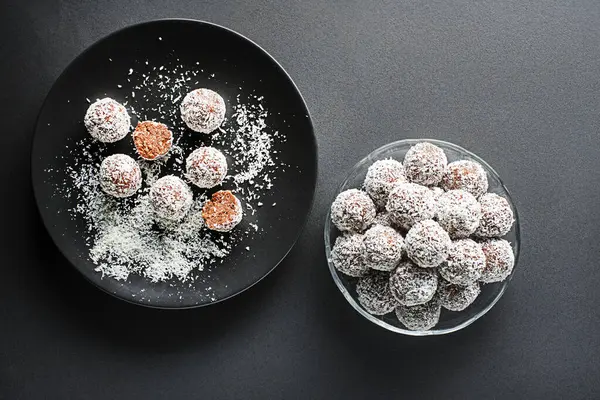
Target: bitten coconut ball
x,y
465,262
107,120
421,317
152,140
499,260
384,247
382,177
203,110
455,297
425,164
222,212
120,175
466,175
348,255
206,167
352,210
458,213
427,244
410,203
374,294
171,198
412,285
496,216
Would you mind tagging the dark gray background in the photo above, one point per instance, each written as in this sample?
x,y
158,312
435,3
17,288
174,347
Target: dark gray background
x,y
517,82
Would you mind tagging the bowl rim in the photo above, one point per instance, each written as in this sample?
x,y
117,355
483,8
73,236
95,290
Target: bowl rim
x,y
370,158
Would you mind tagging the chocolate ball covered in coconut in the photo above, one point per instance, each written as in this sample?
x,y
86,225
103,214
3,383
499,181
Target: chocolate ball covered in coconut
x,y
352,210
383,247
499,260
382,177
421,317
203,110
455,297
152,140
120,175
222,212
171,198
458,213
409,203
348,254
425,164
107,120
465,175
427,244
206,167
465,262
373,292
496,216
412,285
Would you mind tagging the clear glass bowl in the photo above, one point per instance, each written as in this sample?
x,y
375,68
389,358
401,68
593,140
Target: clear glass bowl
x,y
449,321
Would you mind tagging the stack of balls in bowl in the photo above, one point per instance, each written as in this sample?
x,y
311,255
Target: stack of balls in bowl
x,y
422,235
202,110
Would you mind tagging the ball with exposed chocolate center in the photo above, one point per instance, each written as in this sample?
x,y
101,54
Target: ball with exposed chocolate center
x,y
374,294
425,164
421,317
384,247
382,177
206,167
222,212
409,203
458,213
456,297
348,254
499,260
120,175
152,139
203,110
352,210
465,262
427,244
412,285
171,198
465,175
496,216
107,120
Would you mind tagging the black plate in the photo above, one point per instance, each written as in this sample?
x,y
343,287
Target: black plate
x,y
240,67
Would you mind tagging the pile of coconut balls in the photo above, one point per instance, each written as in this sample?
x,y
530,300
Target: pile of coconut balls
x,y
422,235
203,110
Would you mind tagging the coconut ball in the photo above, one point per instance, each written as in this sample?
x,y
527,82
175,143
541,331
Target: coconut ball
x,y
409,203
421,317
425,164
203,110
455,297
499,260
466,175
382,218
352,210
348,255
206,167
152,140
171,198
458,213
412,285
465,262
222,212
374,294
382,177
427,244
383,246
496,216
120,175
107,120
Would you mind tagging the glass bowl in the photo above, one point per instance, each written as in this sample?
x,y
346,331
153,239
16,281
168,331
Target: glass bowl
x,y
449,321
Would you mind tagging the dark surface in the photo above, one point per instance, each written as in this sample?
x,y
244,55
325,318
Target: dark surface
x,y
516,82
242,70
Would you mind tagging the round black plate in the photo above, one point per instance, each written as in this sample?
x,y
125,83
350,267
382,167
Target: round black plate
x,y
240,67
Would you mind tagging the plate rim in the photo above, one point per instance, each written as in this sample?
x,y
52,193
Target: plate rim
x,y
315,146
